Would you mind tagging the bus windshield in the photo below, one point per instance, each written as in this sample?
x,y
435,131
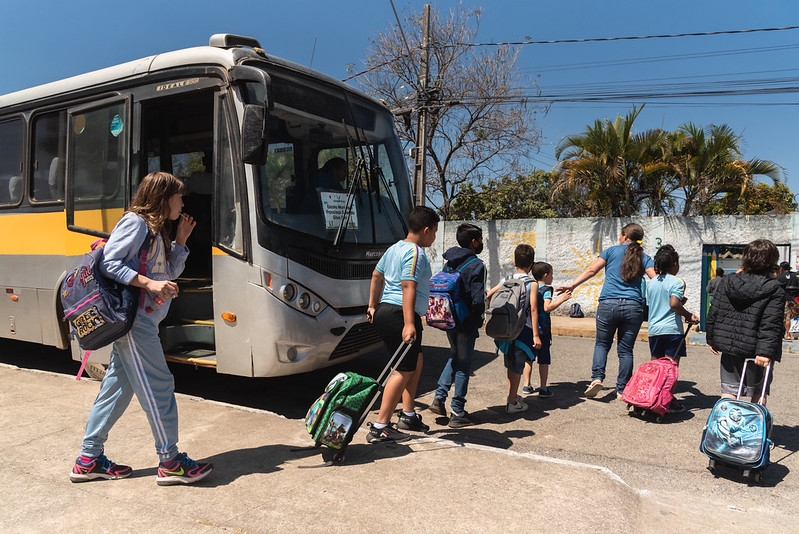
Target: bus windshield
x,y
329,150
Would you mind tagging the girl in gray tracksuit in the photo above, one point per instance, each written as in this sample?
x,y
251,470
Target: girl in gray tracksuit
x,y
137,365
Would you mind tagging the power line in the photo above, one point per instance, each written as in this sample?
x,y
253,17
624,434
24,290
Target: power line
x,y
590,40
658,59
624,38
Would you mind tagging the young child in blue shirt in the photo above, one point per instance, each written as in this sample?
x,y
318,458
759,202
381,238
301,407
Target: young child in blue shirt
x,y
665,295
542,272
398,298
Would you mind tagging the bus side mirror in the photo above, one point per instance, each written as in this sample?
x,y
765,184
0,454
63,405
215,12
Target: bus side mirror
x,y
253,135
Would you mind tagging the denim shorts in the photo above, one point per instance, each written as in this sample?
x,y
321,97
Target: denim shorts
x,y
514,360
544,355
667,345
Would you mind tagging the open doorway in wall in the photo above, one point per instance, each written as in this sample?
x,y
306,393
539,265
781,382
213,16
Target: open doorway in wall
x,y
728,258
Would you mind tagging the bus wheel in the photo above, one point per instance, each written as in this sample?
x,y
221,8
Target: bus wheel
x,y
96,370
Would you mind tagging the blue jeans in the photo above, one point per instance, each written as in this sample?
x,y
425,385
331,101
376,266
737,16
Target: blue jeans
x,y
625,317
458,369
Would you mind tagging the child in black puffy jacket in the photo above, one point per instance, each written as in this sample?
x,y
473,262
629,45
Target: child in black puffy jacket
x,y
746,321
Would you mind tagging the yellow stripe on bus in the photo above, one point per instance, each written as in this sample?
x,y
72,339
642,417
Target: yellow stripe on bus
x,y
46,233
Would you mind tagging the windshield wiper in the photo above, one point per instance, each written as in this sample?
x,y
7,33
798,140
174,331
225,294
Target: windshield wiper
x,y
347,215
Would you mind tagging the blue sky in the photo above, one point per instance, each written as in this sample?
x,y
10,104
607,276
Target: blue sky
x,y
47,40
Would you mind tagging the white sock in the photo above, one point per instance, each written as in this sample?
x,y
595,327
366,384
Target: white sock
x,y
409,414
379,425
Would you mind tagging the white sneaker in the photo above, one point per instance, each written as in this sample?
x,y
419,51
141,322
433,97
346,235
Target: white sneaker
x,y
594,388
517,407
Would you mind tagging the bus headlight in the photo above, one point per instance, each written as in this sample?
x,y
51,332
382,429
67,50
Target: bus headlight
x,y
293,294
289,292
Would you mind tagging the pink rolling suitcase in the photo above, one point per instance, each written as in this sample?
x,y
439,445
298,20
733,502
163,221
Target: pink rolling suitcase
x,y
650,387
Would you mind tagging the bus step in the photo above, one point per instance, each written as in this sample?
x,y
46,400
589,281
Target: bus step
x,y
197,289
195,281
195,335
203,322
197,357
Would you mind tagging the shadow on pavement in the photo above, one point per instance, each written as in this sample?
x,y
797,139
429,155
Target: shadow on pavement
x,y
480,436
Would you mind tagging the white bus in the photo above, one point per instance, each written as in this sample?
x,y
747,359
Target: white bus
x,y
278,277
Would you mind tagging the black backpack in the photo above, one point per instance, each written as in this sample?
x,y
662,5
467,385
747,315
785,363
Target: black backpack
x,y
575,310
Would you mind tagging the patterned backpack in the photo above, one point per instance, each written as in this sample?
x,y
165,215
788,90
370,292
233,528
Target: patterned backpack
x,y
100,310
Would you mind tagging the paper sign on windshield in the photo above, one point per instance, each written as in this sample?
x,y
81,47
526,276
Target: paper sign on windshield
x,y
333,205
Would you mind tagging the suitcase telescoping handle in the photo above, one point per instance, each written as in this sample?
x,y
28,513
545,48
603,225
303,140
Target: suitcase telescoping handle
x,y
393,363
743,377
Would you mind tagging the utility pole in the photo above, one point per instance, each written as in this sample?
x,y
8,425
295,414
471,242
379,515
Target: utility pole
x,y
422,100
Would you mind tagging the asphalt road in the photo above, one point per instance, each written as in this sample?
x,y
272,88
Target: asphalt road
x,y
660,461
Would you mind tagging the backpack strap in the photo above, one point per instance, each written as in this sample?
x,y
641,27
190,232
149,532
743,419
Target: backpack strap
x,y
461,266
145,249
528,282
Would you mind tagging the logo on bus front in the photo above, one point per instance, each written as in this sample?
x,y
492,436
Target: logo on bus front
x,y
176,85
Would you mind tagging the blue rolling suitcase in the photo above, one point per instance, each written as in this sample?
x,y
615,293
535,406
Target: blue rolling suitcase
x,y
738,433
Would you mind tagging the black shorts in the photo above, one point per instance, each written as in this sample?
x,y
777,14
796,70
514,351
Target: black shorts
x,y
388,321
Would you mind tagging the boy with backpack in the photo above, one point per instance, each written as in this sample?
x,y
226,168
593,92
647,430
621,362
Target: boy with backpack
x,y
520,349
542,272
472,273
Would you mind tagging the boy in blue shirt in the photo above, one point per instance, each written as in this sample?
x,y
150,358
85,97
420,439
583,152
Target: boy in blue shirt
x,y
398,298
542,272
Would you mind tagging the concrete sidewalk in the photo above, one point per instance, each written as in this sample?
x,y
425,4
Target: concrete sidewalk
x,y
260,484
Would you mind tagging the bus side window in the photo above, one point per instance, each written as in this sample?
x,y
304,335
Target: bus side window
x,y
11,161
49,151
229,230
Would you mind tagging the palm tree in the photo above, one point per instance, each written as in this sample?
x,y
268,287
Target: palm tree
x,y
610,164
707,164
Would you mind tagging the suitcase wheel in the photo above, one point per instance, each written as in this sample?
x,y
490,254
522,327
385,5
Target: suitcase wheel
x,y
711,466
339,457
754,476
659,419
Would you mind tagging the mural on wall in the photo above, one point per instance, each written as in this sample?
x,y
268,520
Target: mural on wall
x,y
591,288
518,238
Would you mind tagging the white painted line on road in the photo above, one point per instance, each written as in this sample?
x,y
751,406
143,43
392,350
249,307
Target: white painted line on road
x,y
531,456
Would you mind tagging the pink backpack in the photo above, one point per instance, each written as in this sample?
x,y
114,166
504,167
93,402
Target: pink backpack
x,y
650,387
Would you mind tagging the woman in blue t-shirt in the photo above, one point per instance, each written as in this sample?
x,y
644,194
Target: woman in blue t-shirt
x,y
621,304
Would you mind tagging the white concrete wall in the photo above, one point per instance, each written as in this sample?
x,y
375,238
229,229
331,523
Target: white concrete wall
x,y
570,245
